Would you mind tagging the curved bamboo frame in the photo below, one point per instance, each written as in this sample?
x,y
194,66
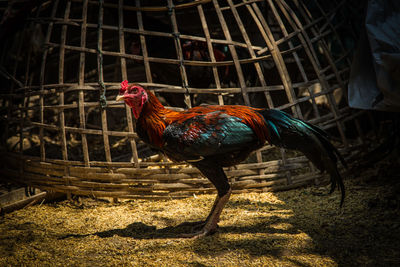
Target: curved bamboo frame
x,y
291,35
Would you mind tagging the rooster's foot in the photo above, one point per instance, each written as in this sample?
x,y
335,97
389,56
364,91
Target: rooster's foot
x,y
202,232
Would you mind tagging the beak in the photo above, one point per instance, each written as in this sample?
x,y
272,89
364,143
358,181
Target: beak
x,y
120,98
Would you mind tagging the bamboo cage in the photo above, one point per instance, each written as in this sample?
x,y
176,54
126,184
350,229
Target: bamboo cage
x,y
61,70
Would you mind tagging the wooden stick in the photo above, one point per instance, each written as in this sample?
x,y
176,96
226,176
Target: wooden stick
x,y
23,203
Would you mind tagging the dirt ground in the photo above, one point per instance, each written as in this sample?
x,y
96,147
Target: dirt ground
x,y
293,228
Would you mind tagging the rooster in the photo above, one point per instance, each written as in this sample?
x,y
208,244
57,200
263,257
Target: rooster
x,y
213,137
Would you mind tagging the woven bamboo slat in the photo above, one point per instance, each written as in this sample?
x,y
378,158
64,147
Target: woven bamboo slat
x,y
58,134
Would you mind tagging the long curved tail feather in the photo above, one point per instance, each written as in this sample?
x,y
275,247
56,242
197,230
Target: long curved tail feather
x,y
291,133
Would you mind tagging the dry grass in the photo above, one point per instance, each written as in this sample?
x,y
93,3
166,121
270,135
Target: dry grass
x,y
294,228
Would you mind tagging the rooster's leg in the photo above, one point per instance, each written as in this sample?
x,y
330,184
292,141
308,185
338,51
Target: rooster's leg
x,y
200,224
217,176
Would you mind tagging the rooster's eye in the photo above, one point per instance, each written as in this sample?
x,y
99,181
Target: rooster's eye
x,y
133,90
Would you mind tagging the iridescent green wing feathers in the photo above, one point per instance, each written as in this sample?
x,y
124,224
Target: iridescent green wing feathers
x,y
208,135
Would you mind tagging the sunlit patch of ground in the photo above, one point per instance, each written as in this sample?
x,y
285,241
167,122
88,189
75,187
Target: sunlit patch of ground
x,y
293,228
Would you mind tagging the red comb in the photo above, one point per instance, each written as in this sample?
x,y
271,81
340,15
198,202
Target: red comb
x,y
124,85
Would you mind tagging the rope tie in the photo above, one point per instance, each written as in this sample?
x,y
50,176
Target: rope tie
x,y
171,9
103,99
176,35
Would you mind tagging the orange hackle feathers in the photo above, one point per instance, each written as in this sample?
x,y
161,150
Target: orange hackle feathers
x,y
152,119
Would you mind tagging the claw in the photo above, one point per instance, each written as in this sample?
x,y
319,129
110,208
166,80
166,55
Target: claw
x,y
198,234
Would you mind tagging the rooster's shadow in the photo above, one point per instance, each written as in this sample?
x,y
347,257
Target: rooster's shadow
x,y
139,230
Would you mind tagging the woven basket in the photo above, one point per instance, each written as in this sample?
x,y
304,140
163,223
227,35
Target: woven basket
x,y
63,131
